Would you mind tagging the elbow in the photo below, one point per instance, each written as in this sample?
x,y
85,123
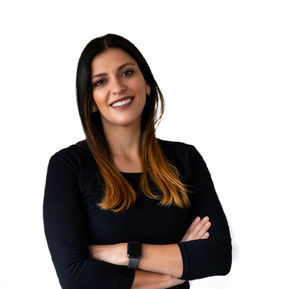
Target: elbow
x,y
72,273
225,265
68,281
205,258
69,284
72,282
85,272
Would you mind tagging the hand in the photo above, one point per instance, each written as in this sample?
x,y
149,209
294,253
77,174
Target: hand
x,y
197,230
175,281
114,254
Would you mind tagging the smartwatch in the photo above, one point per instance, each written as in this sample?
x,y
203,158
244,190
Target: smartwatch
x,y
134,253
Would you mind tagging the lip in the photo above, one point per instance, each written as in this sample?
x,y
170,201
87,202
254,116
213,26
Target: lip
x,y
125,97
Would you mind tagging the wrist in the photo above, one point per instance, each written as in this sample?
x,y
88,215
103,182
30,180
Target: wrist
x,y
134,254
124,260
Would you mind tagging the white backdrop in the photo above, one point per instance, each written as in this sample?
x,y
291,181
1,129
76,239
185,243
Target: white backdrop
x,y
229,72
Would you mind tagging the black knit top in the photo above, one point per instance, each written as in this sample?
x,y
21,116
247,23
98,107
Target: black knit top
x,y
72,220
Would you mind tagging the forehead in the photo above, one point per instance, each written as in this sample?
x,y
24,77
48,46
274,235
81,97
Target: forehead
x,y
110,60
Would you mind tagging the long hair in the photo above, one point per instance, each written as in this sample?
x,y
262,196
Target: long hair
x,y
119,194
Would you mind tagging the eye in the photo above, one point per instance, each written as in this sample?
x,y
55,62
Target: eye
x,y
99,82
127,72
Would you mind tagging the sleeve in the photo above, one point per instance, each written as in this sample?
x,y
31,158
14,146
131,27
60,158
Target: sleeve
x,y
212,256
65,226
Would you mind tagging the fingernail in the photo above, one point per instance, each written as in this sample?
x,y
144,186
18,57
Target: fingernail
x,y
197,219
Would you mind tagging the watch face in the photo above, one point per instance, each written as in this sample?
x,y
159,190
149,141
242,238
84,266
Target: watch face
x,y
134,249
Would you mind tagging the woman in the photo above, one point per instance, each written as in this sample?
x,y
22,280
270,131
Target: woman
x,y
122,208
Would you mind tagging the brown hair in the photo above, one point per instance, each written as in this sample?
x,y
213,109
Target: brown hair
x,y
119,194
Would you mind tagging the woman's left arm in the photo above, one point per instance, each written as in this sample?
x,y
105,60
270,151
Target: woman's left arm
x,y
211,257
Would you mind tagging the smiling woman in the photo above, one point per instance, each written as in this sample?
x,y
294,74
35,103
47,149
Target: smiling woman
x,y
123,208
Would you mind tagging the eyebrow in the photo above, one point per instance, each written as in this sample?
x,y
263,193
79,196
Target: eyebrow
x,y
119,68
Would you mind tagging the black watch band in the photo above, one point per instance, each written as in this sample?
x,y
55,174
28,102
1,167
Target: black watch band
x,y
133,263
134,253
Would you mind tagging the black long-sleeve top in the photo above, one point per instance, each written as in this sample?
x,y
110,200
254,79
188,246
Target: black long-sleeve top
x,y
72,220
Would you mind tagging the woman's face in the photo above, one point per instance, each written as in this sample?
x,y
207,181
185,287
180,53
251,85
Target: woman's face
x,y
115,76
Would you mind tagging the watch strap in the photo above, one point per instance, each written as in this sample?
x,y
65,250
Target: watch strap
x,y
133,263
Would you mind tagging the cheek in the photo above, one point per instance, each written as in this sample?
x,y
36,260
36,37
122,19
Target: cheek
x,y
98,96
139,84
141,89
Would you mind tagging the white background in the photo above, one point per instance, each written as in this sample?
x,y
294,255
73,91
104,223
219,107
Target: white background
x,y
229,72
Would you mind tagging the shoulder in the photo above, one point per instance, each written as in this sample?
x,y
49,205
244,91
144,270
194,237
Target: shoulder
x,y
173,148
183,154
179,153
73,156
74,151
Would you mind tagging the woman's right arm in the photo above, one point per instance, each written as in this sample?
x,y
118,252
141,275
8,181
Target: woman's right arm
x,y
66,232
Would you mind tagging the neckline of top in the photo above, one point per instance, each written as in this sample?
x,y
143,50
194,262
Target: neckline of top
x,y
135,173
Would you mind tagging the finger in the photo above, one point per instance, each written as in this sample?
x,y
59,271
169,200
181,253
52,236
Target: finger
x,y
203,230
201,226
190,229
205,236
195,227
194,224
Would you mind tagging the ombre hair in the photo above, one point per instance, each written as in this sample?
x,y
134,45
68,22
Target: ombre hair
x,y
119,194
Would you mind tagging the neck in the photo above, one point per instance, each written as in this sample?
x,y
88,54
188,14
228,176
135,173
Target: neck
x,y
123,140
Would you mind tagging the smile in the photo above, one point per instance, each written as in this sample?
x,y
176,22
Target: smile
x,y
123,103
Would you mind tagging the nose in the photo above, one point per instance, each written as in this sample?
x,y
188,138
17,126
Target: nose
x,y
117,86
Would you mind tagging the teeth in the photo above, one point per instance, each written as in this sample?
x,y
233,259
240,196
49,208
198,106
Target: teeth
x,y
119,103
